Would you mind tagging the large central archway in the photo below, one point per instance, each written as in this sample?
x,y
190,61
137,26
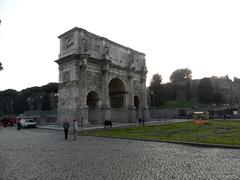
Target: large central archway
x,y
117,98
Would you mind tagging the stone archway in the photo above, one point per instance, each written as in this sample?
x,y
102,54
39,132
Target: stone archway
x,y
98,79
117,98
92,103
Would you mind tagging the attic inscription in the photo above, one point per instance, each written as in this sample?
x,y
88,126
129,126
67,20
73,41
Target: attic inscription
x,y
91,44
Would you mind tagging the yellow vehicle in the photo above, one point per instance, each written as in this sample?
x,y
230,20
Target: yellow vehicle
x,y
200,118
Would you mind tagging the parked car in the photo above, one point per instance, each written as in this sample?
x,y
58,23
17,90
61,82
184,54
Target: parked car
x,y
7,121
28,122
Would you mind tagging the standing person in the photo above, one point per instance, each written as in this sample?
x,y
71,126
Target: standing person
x,y
139,121
66,127
75,128
18,124
143,121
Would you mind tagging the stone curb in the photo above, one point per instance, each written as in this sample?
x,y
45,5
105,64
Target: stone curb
x,y
150,140
114,126
177,142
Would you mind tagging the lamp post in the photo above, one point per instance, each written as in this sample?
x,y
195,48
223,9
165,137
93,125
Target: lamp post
x,y
152,94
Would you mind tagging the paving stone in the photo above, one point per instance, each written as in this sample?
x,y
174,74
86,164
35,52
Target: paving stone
x,y
41,154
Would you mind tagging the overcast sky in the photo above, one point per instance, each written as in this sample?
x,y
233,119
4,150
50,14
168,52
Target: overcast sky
x,y
202,35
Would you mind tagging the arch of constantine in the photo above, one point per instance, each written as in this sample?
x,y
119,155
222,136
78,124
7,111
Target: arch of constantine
x,y
100,79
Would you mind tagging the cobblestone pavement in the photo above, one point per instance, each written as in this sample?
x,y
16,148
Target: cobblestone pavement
x,y
44,154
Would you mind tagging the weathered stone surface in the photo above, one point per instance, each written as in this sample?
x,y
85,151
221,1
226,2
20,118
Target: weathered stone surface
x,y
88,66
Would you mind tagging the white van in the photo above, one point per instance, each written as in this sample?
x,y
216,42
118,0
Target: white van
x,y
28,122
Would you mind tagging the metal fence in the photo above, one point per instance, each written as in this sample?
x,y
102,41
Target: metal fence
x,y
162,114
43,117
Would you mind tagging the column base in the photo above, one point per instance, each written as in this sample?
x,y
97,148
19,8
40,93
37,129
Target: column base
x,y
105,113
83,116
146,113
132,114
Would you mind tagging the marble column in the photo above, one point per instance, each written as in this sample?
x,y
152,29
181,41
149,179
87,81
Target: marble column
x,y
131,107
105,108
145,111
83,108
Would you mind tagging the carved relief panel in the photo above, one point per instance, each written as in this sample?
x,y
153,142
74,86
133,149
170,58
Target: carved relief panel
x,y
94,81
68,41
137,86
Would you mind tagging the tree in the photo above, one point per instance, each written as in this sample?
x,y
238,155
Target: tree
x,y
20,104
7,99
1,67
205,91
156,80
217,98
46,103
32,91
156,90
169,91
181,75
188,92
50,88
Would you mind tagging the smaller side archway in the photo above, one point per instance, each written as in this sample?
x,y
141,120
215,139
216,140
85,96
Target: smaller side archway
x,y
136,101
93,106
92,99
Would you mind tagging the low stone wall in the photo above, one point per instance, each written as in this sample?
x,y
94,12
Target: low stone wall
x,y
162,114
119,115
43,117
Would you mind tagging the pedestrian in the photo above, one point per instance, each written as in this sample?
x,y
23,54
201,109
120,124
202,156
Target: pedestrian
x,y
143,121
224,117
66,127
139,121
18,124
75,128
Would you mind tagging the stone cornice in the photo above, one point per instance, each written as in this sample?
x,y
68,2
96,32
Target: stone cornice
x,y
95,61
102,38
68,58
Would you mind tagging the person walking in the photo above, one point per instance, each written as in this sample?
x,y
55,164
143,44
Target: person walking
x,y
66,127
139,121
75,128
18,124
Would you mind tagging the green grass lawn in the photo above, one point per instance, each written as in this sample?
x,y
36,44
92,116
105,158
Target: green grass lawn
x,y
216,132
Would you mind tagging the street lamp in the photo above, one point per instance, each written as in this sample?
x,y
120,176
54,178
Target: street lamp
x,y
152,94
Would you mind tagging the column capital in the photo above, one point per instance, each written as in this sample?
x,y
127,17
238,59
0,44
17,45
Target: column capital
x,y
83,64
105,66
130,74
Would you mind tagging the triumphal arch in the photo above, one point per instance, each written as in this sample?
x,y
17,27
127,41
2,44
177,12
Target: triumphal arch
x,y
100,79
